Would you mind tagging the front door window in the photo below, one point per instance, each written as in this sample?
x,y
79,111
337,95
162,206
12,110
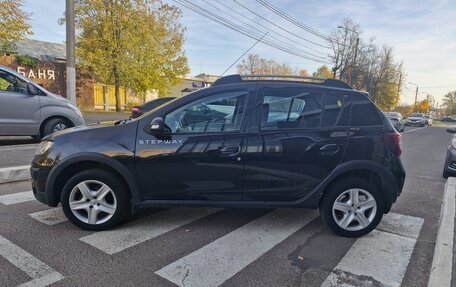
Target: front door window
x,y
219,113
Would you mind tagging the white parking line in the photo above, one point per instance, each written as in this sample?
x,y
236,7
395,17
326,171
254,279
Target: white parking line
x,y
412,130
51,216
221,259
364,263
442,263
113,241
17,197
42,274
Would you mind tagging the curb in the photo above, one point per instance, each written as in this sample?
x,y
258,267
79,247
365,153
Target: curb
x,y
14,173
442,263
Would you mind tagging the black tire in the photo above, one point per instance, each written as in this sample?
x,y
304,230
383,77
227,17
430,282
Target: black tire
x,y
337,189
50,125
120,192
446,174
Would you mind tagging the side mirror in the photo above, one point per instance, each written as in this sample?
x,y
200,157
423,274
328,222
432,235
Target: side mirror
x,y
31,89
157,126
451,130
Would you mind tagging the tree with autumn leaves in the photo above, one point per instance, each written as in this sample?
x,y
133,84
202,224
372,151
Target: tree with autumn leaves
x,y
14,23
133,43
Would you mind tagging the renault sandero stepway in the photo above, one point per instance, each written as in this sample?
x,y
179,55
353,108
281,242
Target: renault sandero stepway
x,y
246,141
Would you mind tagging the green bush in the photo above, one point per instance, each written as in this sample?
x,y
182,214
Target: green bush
x,y
27,61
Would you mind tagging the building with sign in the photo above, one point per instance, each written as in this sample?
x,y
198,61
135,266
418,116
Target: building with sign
x,y
44,63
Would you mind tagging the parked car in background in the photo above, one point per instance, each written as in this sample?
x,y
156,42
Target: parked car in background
x,y
448,120
416,119
396,120
428,120
137,111
246,141
27,109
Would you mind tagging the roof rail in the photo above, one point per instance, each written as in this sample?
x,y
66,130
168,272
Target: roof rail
x,y
236,78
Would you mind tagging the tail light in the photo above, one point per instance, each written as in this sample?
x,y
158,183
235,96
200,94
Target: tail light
x,y
394,142
136,110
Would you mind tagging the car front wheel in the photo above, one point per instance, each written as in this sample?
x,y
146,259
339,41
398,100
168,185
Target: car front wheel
x,y
95,200
352,207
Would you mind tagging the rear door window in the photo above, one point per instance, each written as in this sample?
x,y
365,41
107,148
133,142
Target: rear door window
x,y
288,109
332,106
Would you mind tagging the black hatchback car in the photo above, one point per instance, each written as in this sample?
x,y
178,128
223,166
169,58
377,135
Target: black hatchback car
x,y
246,141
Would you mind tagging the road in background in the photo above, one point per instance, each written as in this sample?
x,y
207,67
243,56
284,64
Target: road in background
x,y
239,247
16,151
90,118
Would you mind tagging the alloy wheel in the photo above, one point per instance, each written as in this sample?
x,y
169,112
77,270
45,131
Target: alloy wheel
x,y
92,202
354,209
59,127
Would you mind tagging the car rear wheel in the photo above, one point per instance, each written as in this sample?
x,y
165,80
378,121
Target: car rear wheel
x,y
95,200
352,207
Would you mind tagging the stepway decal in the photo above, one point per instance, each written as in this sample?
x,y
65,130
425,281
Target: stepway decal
x,y
160,141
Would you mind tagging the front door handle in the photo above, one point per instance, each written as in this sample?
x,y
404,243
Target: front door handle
x,y
329,149
230,150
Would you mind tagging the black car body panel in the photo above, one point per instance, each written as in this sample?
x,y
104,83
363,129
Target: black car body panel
x,y
252,166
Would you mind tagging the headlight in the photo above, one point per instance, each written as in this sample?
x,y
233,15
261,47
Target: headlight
x,y
453,143
44,147
75,109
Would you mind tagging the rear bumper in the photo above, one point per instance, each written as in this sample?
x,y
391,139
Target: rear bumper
x,y
400,177
450,162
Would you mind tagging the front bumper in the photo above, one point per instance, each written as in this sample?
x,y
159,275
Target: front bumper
x,y
39,177
419,123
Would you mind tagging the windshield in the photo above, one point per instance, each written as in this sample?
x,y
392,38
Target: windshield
x,y
151,111
416,115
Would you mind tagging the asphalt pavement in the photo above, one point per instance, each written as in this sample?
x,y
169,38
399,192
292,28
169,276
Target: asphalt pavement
x,y
230,247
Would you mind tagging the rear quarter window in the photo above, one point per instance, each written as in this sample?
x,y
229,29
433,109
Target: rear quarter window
x,y
364,113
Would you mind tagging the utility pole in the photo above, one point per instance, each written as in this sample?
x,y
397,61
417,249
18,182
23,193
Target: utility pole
x,y
416,93
354,59
70,54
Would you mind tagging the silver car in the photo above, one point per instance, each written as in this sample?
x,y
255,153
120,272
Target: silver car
x,y
27,109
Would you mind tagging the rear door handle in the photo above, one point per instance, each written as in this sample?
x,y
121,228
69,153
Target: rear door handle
x,y
329,149
230,150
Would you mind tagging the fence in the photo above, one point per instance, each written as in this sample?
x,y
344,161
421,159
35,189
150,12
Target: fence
x,y
106,93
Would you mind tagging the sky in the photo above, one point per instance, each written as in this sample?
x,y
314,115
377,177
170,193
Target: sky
x,y
422,34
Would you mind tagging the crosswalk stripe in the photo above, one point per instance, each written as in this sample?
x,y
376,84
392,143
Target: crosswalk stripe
x,y
113,241
17,197
364,263
41,274
218,261
51,216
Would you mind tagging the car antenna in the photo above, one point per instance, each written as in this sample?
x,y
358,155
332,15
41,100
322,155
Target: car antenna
x,y
244,53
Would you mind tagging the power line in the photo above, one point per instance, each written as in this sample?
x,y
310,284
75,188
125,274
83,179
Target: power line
x,y
205,13
243,54
264,26
292,20
294,34
260,31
